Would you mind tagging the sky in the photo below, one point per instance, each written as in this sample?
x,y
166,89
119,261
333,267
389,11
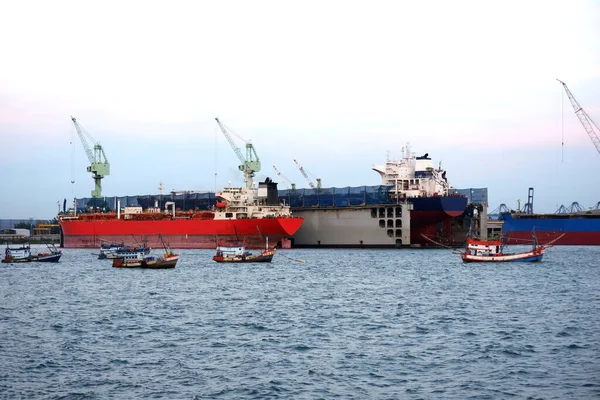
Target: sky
x,y
335,85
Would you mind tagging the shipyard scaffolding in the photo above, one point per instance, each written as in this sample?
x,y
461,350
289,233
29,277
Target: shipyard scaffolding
x,y
186,201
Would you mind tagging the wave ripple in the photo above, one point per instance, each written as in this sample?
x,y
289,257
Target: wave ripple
x,y
345,324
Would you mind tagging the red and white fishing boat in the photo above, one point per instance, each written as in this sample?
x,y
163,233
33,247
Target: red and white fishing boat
x,y
493,251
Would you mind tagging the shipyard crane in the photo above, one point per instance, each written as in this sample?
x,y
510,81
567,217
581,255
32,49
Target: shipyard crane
x,y
99,165
528,207
574,208
586,121
250,163
310,182
561,210
283,178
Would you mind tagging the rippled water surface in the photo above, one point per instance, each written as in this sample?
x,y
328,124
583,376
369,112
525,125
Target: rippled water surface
x,y
380,324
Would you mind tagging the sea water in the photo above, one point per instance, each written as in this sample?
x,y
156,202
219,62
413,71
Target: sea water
x,y
313,324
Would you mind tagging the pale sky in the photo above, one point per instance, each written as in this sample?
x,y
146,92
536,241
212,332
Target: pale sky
x,y
334,84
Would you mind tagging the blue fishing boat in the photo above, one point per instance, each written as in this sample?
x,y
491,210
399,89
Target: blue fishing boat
x,y
22,253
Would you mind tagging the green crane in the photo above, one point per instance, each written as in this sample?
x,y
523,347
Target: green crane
x,y
250,163
99,165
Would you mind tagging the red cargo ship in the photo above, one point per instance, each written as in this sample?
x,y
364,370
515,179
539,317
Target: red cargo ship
x,y
254,215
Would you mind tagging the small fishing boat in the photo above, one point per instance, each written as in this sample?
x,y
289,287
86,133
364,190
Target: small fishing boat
x,y
167,260
142,259
109,250
23,253
127,262
237,253
493,251
130,257
129,254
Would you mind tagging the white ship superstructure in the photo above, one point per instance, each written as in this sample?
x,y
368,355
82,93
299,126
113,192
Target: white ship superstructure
x,y
413,176
414,201
253,202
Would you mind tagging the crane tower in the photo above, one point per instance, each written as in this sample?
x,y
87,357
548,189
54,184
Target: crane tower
x,y
99,165
249,164
586,121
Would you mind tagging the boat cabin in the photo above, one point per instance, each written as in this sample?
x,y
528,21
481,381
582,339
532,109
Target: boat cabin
x,y
484,247
18,253
237,250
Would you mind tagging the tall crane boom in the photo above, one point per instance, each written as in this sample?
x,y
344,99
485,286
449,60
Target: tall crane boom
x,y
283,179
310,182
99,165
251,163
303,172
586,121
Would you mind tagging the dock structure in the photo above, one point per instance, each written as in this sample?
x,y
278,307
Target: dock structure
x,y
14,233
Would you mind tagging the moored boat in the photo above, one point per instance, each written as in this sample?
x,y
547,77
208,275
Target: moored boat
x,y
129,257
109,249
142,259
167,260
478,250
133,251
490,251
238,253
126,262
23,253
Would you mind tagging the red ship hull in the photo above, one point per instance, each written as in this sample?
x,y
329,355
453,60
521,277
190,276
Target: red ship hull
x,y
557,238
179,233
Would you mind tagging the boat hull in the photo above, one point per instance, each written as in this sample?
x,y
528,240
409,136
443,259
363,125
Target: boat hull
x,y
578,229
491,251
120,263
530,257
266,256
169,261
147,263
180,233
54,258
160,265
250,259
